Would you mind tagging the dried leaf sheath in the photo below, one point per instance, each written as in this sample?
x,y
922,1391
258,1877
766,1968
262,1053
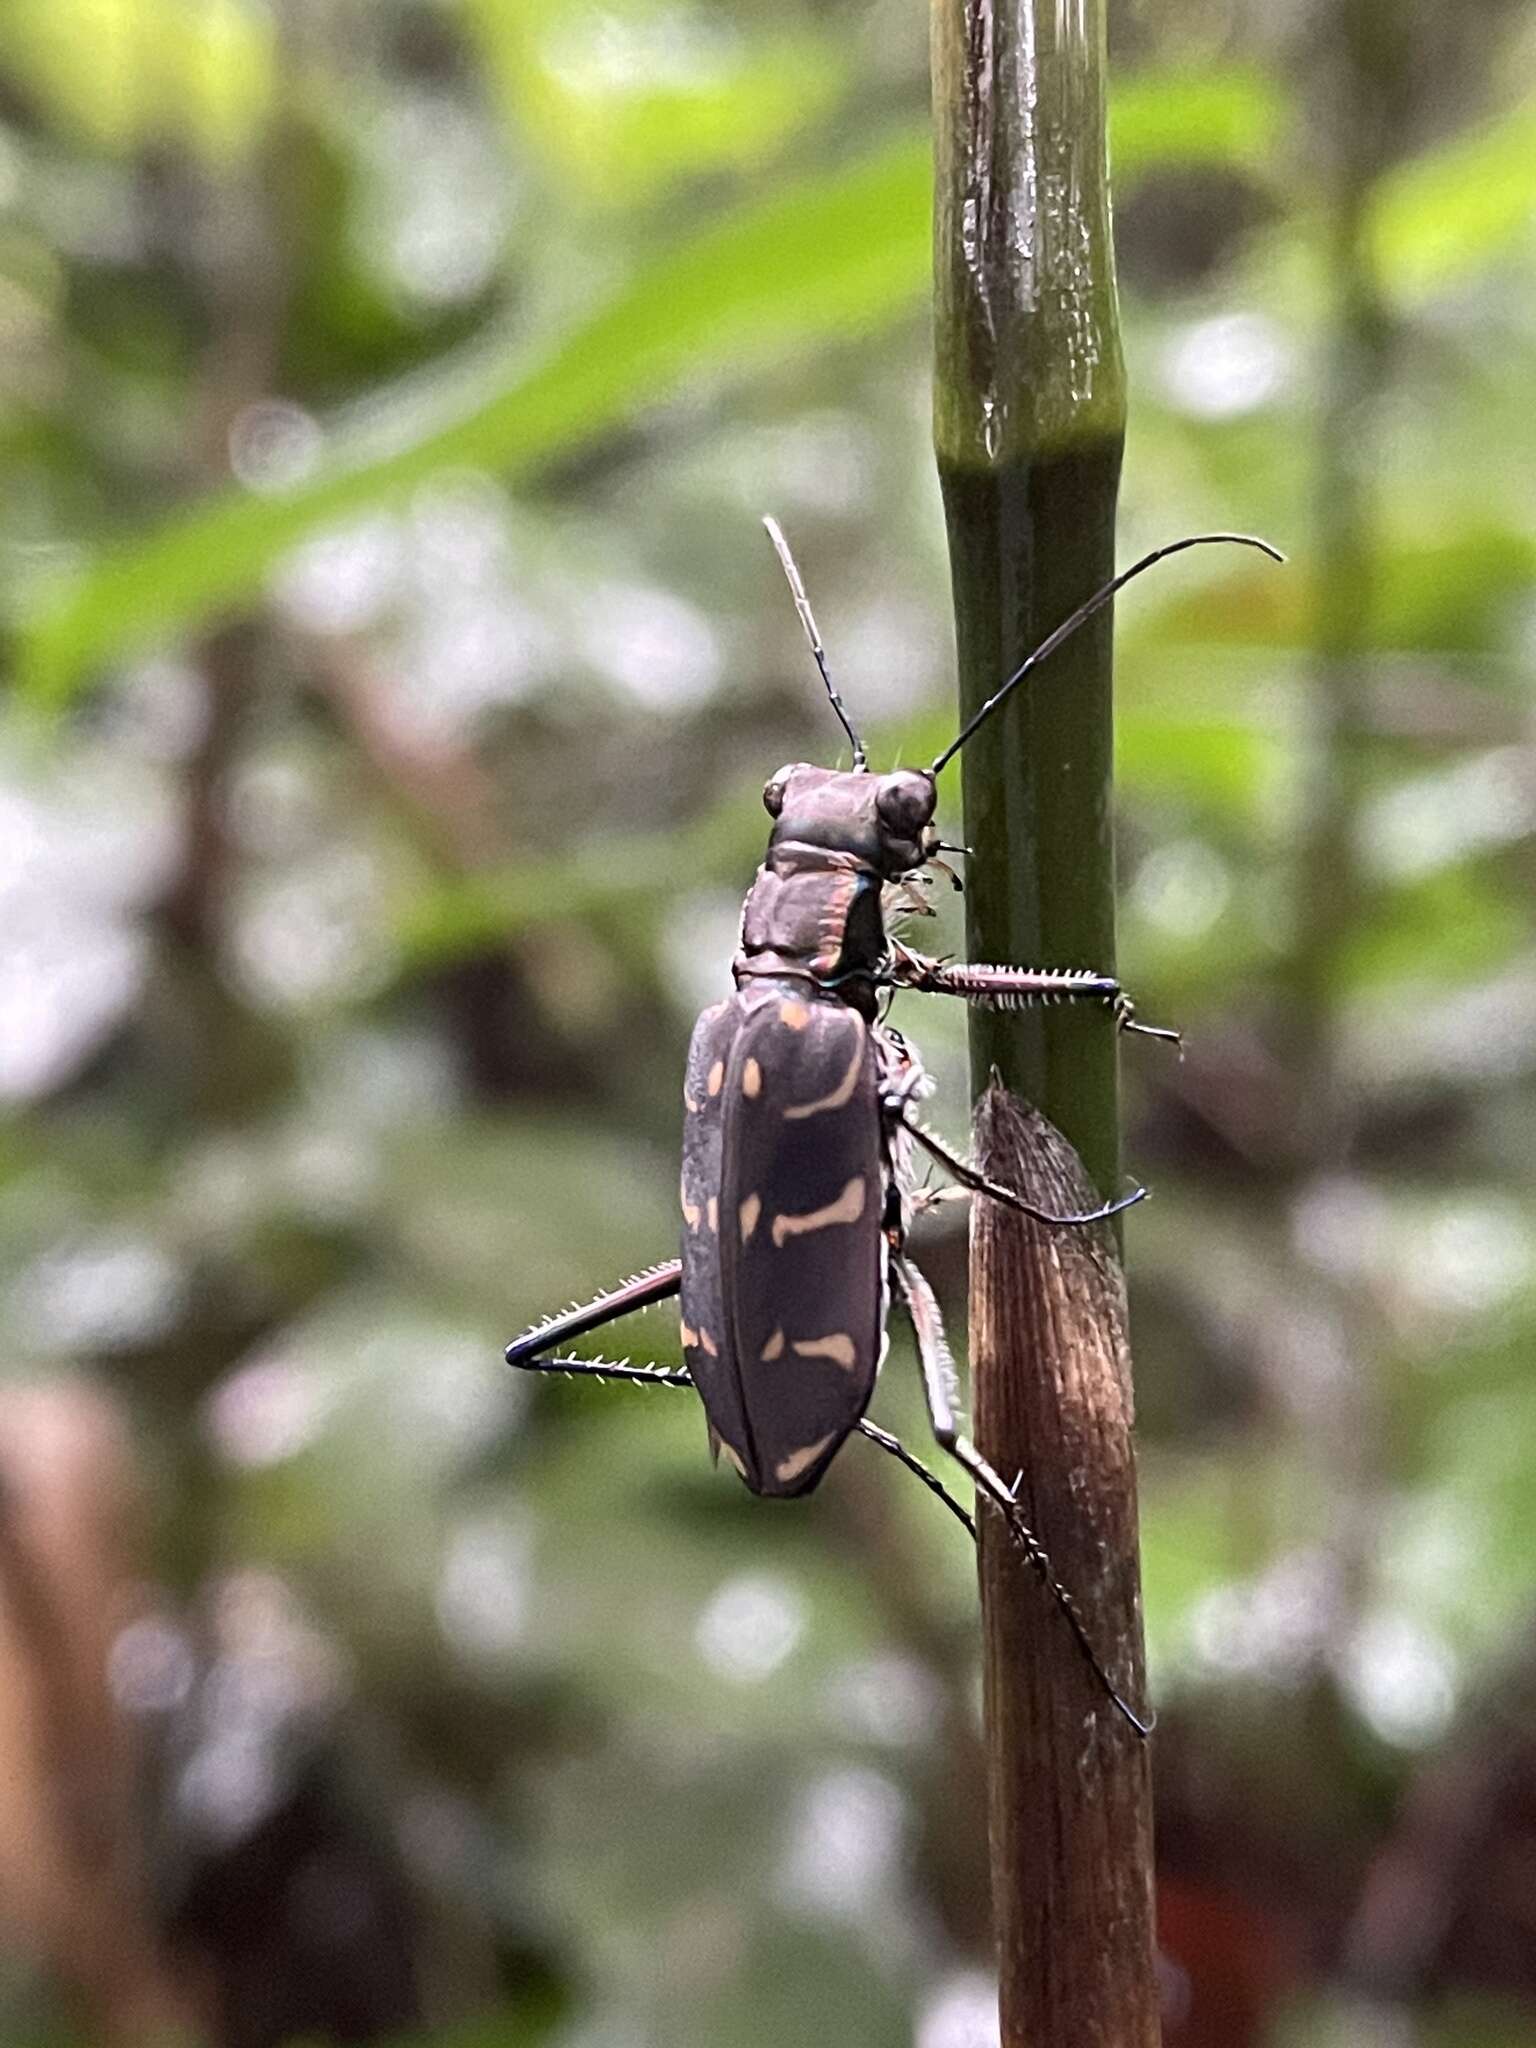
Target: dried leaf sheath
x,y
1069,1791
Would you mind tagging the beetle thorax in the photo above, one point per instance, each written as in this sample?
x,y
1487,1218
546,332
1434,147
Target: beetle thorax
x,y
814,909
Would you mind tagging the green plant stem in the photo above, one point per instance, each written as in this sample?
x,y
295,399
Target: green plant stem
x,y
1029,421
1029,417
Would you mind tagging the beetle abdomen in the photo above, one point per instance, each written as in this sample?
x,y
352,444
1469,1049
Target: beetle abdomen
x,y
782,1251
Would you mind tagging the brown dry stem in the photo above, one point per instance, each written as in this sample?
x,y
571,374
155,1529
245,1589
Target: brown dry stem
x,y
1070,1807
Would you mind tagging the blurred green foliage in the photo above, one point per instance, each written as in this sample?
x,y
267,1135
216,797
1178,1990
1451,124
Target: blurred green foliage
x,y
388,396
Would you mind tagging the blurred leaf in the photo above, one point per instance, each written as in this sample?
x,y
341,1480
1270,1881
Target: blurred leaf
x,y
347,322
1484,1452
514,2025
1215,765
1446,214
1477,2020
455,1202
1452,2019
124,74
1450,592
805,265
837,255
1188,1543
1455,924
624,872
1216,115
1447,593
625,100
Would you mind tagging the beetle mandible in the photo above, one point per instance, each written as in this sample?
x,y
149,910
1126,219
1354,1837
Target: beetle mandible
x,y
800,1122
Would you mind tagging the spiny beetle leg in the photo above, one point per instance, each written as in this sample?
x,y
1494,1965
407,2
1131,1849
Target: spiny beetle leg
x,y
999,987
1016,988
606,1369
979,1184
939,1379
642,1290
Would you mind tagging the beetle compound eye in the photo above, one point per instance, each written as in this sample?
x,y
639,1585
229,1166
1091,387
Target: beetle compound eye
x,y
773,792
906,802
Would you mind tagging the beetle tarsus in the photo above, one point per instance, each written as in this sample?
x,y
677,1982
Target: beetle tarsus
x,y
1126,1020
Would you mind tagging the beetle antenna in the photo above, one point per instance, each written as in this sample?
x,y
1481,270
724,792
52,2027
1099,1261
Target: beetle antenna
x,y
807,619
1084,612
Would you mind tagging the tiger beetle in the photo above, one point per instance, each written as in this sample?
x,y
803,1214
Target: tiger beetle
x,y
797,1186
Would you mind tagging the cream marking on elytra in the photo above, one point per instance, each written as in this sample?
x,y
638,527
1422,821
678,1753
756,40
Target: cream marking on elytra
x,y
800,1461
712,1213
689,1104
691,1210
715,1077
773,1349
707,1344
848,1208
733,1457
839,1347
748,1214
752,1076
794,1014
690,1338
843,1092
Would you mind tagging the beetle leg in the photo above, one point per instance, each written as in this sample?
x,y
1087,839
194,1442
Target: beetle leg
x,y
1015,988
901,899
655,1284
903,1078
606,1369
979,1184
919,1470
939,1380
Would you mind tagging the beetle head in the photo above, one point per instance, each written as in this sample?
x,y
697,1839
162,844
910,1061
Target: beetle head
x,y
886,821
